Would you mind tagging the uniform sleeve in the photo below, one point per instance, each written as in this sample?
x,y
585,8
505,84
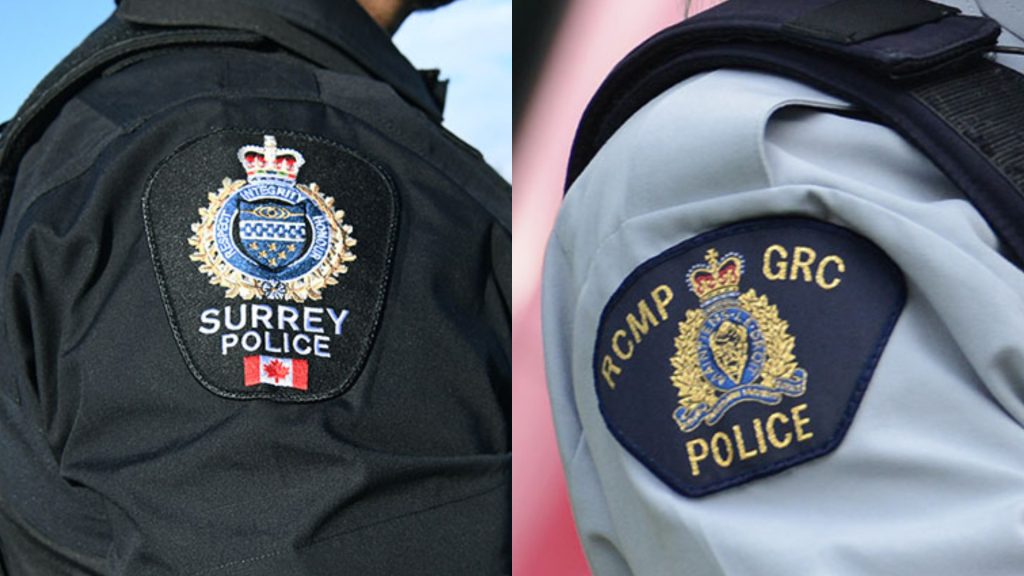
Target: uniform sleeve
x,y
262,330
769,350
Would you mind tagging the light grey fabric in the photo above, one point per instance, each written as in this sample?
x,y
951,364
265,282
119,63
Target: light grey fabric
x,y
1009,13
930,478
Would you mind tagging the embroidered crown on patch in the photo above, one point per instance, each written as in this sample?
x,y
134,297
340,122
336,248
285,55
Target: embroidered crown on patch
x,y
270,162
718,278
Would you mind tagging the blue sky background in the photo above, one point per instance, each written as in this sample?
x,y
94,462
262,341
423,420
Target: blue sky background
x,y
470,41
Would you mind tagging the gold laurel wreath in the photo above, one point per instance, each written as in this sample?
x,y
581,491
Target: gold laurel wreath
x,y
241,285
693,387
780,363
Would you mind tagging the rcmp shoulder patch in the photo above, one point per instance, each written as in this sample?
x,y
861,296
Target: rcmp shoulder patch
x,y
744,351
273,287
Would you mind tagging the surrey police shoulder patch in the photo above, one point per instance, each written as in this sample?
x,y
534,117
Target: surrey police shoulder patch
x,y
268,291
744,351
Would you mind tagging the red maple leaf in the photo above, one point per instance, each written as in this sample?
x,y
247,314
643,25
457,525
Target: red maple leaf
x,y
276,370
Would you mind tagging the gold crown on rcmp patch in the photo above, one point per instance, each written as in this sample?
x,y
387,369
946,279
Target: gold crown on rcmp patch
x,y
720,277
270,237
733,349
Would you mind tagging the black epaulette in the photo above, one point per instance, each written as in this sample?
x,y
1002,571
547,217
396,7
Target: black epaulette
x,y
919,67
138,29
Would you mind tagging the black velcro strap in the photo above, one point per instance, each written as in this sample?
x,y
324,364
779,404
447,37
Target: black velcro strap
x,y
985,106
853,21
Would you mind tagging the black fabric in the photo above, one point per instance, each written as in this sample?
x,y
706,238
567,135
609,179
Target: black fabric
x,y
364,43
920,50
160,25
113,450
985,105
714,376
438,87
852,21
24,552
112,42
44,520
234,16
975,145
394,552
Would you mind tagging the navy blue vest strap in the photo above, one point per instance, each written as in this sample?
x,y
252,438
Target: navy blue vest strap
x,y
852,21
930,83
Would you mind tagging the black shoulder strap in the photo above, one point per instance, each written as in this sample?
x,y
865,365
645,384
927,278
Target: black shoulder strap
x,y
918,66
423,92
112,42
142,27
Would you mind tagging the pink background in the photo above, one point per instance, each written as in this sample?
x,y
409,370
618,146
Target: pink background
x,y
594,36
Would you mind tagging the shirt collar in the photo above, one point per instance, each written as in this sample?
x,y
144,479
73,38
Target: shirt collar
x,y
341,23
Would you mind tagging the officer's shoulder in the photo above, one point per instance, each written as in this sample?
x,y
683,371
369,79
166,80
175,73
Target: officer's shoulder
x,y
724,103
248,83
163,84
688,131
187,94
137,90
165,91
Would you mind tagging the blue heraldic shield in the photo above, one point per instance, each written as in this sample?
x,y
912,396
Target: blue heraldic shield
x,y
272,233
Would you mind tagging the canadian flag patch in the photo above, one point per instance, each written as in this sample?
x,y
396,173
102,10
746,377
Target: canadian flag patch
x,y
284,372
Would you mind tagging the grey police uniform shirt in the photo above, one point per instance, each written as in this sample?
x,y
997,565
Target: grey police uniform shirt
x,y
157,415
929,478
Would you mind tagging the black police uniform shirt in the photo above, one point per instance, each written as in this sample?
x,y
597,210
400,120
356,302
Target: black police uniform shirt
x,y
256,321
